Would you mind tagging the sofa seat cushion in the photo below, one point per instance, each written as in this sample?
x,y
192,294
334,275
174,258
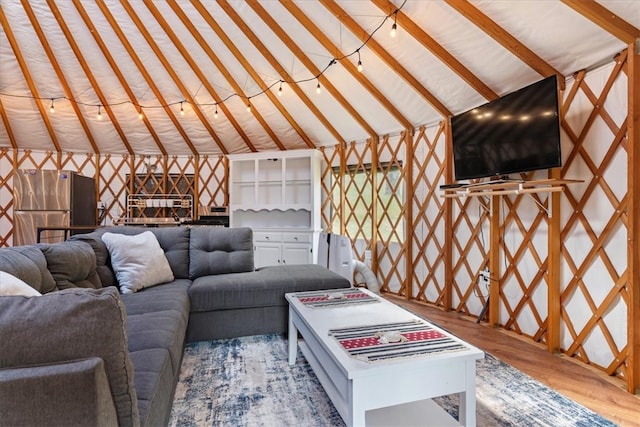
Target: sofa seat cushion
x,y
72,265
155,382
168,296
28,264
160,330
262,288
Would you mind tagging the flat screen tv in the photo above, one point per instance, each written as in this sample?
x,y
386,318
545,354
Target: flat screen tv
x,y
518,132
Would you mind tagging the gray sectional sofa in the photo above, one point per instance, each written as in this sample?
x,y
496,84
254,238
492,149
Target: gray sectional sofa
x,y
84,353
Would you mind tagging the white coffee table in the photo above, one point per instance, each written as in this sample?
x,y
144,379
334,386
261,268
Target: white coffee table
x,y
381,392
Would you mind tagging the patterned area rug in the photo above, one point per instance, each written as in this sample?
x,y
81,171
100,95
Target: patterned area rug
x,y
248,382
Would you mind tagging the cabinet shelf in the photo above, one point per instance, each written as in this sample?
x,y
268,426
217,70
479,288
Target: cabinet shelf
x,y
279,193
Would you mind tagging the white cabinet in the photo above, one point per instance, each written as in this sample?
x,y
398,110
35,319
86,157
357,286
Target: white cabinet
x,y
286,247
277,194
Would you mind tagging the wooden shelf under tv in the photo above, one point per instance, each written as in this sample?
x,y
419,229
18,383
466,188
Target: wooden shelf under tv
x,y
508,188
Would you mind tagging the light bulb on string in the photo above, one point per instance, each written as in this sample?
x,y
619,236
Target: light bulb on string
x,y
359,61
51,109
140,115
215,113
318,88
99,113
248,105
280,89
181,109
394,27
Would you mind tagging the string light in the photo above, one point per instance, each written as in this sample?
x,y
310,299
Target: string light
x,y
278,82
394,26
215,113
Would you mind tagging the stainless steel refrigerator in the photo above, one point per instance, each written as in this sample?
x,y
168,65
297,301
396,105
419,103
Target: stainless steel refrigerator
x,y
53,199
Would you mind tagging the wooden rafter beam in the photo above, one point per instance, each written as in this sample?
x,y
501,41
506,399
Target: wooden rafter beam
x,y
27,76
605,19
116,70
304,59
56,67
437,49
252,72
174,76
334,50
383,54
147,77
502,36
87,71
225,72
270,58
7,126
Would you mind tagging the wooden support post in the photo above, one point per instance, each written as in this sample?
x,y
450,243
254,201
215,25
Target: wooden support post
x,y
448,222
374,206
553,270
633,213
408,212
494,262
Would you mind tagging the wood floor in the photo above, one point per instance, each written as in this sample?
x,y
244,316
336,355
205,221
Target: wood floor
x,y
583,384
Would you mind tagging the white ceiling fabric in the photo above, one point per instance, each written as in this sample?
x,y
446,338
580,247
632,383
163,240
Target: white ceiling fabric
x,y
559,35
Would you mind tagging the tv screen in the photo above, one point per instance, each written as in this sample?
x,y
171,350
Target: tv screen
x,y
517,132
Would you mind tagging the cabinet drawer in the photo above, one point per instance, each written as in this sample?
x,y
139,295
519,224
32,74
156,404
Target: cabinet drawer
x,y
296,237
267,236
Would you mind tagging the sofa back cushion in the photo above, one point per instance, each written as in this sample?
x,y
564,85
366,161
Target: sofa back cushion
x,y
28,264
72,264
219,250
69,325
173,240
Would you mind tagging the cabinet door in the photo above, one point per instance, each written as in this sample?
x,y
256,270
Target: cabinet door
x,y
267,254
297,253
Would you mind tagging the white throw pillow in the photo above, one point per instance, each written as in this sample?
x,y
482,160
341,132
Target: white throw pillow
x,y
138,261
10,285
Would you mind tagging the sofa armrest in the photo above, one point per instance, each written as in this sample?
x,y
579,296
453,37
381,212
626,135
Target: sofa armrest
x,y
74,393
67,325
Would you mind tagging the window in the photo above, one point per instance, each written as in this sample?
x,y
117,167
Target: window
x,y
359,199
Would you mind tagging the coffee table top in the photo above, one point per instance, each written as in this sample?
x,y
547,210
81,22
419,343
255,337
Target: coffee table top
x,y
363,321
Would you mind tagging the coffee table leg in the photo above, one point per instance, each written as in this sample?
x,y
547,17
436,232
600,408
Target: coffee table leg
x,y
467,409
293,340
357,412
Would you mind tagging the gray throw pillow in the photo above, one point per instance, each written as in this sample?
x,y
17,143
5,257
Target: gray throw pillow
x,y
138,261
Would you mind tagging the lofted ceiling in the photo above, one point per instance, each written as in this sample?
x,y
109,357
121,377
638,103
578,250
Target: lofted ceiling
x,y
182,63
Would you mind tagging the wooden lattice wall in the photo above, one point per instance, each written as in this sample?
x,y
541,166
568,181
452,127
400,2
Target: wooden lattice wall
x,y
434,251
449,238
119,175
